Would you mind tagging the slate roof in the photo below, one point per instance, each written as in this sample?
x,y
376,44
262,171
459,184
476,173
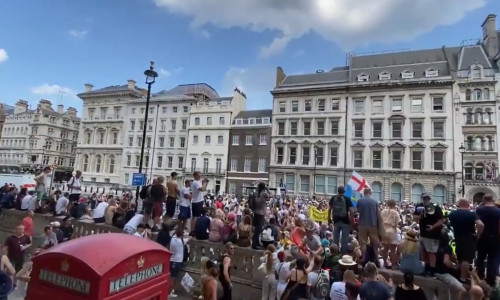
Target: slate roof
x,y
317,78
248,114
471,55
190,89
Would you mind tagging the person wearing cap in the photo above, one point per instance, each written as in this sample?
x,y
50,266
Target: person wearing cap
x,y
431,220
210,288
410,254
465,223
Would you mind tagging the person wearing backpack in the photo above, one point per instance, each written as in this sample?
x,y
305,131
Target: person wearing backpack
x,y
340,213
318,281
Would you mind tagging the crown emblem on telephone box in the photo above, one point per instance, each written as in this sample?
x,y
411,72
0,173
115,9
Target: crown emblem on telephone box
x,y
65,265
140,262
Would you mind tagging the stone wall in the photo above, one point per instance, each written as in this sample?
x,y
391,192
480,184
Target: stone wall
x,y
247,280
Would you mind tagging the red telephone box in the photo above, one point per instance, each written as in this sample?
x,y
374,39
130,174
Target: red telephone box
x,y
107,266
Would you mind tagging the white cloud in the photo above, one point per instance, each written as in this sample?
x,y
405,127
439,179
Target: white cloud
x,y
78,33
349,23
204,33
54,89
3,55
168,73
255,82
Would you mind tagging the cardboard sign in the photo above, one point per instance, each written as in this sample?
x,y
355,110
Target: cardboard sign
x,y
188,283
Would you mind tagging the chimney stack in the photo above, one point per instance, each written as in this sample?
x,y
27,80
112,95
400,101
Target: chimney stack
x,y
60,108
490,37
71,111
280,76
21,106
131,84
88,87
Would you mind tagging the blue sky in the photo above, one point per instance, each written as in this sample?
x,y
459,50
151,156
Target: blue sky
x,y
57,45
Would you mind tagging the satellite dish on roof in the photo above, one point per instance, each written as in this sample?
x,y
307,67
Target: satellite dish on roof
x,y
320,71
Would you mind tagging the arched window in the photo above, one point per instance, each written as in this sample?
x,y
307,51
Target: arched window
x,y
468,171
486,94
470,143
476,72
377,191
479,171
416,192
397,191
477,95
98,162
88,137
85,163
111,168
468,118
439,194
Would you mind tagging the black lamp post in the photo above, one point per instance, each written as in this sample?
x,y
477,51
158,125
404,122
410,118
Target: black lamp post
x,y
315,164
462,150
150,79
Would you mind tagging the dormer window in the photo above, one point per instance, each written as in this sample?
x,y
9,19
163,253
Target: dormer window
x,y
239,121
477,72
384,76
363,77
432,73
407,74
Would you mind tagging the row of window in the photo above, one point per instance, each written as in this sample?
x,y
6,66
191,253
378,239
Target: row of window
x,y
103,113
163,109
321,156
162,125
249,139
253,121
481,171
208,121
101,138
97,165
161,161
479,117
439,193
65,122
416,105
306,128
397,129
319,105
478,94
206,164
480,143
325,184
160,144
406,74
247,165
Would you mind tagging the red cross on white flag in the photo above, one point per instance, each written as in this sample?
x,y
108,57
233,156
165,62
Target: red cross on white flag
x,y
357,182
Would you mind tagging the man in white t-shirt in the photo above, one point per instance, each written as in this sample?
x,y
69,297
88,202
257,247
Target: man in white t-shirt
x,y
197,188
185,203
25,202
176,259
75,187
133,224
62,205
99,211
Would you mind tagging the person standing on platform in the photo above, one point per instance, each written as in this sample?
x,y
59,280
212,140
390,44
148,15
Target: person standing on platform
x,y
185,204
198,187
172,195
75,187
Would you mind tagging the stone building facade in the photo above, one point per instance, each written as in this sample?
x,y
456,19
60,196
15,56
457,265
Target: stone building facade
x,y
397,118
249,149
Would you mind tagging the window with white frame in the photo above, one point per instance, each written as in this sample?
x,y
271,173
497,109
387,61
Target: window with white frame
x,y
129,160
377,159
304,183
308,105
397,105
234,164
159,161
184,124
431,73
437,103
320,187
407,74
321,104
195,139
416,159
282,106
359,106
358,158
331,188
207,140
397,191
173,124
183,142
320,127
377,130
171,143
248,165
290,182
396,159
180,162
416,105
185,109
222,121
263,139
209,120
295,106
384,76
397,130
174,109
279,155
293,128
334,154
358,129
377,106
220,140
236,140
363,77
292,155
335,104
170,162
262,165
306,153
438,129
416,129
130,141
334,127
319,155
281,128
438,161
307,128
249,140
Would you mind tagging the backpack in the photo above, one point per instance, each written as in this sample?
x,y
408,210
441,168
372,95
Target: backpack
x,y
339,207
322,287
144,193
6,284
267,234
185,251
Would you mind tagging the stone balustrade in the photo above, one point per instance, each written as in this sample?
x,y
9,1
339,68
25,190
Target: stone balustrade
x,y
247,280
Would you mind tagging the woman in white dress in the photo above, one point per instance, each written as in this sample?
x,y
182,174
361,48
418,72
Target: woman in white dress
x,y
282,269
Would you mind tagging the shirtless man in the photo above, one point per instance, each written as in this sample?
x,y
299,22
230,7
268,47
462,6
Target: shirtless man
x,y
172,194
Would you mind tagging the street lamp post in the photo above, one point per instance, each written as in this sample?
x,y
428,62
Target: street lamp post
x,y
150,79
315,164
462,150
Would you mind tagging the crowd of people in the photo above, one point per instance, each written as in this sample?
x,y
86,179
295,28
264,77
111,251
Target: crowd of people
x,y
304,257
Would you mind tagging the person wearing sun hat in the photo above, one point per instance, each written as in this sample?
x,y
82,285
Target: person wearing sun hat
x,y
410,254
